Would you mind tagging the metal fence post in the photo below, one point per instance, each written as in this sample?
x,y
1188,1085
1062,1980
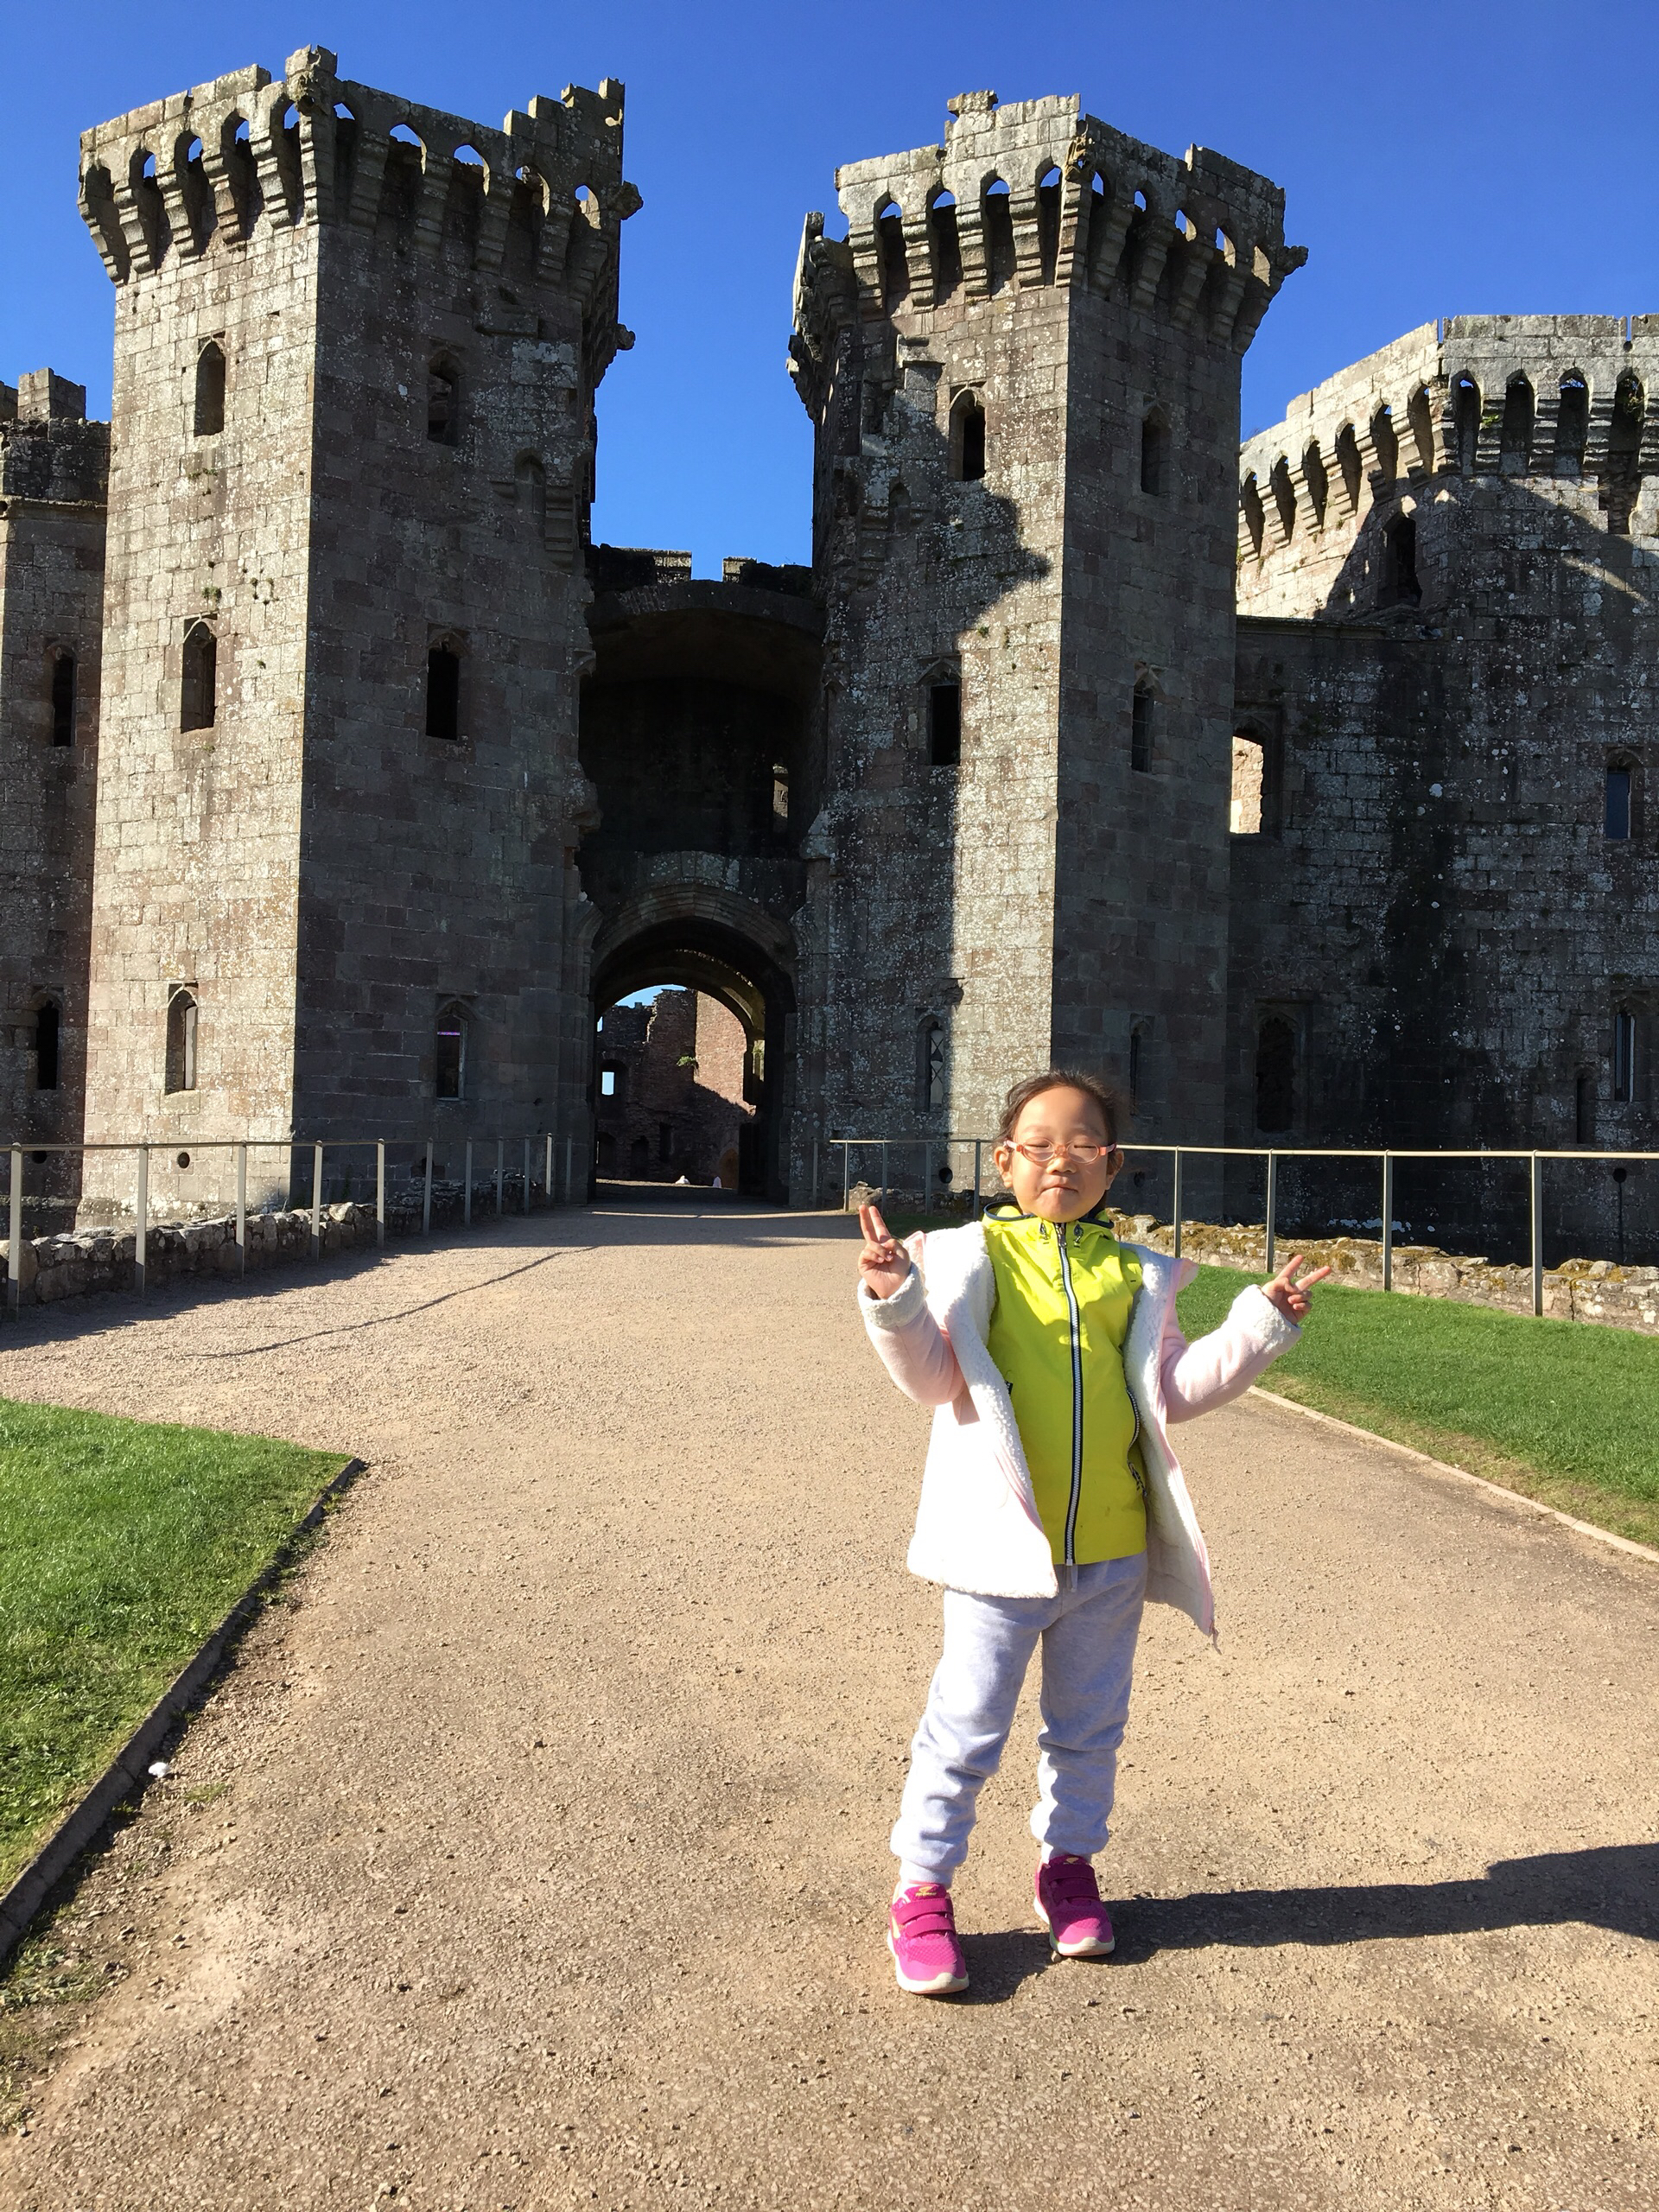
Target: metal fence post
x,y
467,1198
141,1231
1387,1221
927,1177
15,1235
1537,1196
500,1158
1176,1202
884,1175
242,1208
379,1191
846,1173
1273,1206
426,1194
979,1147
547,1172
569,1167
316,1202
526,1174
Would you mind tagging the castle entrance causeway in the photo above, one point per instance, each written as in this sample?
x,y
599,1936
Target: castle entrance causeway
x,y
535,1854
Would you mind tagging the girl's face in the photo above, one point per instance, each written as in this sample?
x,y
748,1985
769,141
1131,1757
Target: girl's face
x,y
1059,1184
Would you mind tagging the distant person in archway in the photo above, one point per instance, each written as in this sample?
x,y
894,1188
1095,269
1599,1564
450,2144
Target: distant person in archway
x,y
1052,1504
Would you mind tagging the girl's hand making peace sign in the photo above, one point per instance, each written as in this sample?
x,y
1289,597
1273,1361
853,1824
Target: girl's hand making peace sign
x,y
884,1263
1287,1294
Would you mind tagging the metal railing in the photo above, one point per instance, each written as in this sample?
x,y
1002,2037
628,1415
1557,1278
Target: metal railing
x,y
1179,1156
540,1145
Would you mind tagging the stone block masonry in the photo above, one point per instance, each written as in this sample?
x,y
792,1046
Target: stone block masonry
x,y
1022,367
357,343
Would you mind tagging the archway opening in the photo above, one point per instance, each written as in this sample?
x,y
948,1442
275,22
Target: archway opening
x,y
691,1026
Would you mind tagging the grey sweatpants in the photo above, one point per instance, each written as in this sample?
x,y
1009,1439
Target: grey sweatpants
x,y
1088,1633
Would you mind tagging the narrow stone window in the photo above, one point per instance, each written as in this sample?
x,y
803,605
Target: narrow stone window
x,y
1255,520
1516,440
210,391
931,1064
444,690
639,1160
606,1153
1140,721
901,518
968,438
1625,1057
1466,423
1284,497
1317,478
944,723
1154,453
182,1040
1420,421
199,685
442,402
1137,1065
945,245
780,799
890,250
1622,479
1245,808
63,698
610,1082
1349,462
997,217
1616,808
451,1058
1276,1075
1584,1107
1571,423
1400,584
47,1028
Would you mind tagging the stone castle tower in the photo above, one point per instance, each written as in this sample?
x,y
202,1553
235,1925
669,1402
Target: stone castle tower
x,y
1022,366
357,343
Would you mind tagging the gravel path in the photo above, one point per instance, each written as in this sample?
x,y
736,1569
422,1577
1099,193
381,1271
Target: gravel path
x,y
536,1855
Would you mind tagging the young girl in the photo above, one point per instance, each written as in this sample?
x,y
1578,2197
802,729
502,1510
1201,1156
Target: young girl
x,y
1053,1505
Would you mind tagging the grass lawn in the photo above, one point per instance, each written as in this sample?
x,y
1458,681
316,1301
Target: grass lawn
x,y
1567,1412
121,1545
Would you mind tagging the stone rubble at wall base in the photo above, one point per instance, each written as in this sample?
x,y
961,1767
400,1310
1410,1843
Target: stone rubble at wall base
x,y
101,1259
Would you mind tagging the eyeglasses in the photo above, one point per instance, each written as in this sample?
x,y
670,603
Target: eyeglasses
x,y
1084,1150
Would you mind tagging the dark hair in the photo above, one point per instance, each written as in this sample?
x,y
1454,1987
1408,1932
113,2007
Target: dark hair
x,y
1113,1107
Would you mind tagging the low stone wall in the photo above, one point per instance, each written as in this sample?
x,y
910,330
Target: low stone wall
x,y
1576,1290
102,1258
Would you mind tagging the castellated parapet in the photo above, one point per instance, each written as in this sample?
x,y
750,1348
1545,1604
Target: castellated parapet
x,y
1022,364
357,343
54,471
1444,908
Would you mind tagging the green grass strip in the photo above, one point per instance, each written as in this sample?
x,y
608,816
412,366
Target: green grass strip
x,y
1561,1411
122,1544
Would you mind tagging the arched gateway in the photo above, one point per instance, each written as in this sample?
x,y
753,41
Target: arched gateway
x,y
697,733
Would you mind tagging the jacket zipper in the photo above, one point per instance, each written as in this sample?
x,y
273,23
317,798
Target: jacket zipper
x,y
1076,1404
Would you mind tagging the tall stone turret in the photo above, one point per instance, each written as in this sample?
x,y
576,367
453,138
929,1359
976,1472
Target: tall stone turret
x,y
357,343
1022,366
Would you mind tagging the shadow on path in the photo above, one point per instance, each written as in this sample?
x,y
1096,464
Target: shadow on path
x,y
1615,1887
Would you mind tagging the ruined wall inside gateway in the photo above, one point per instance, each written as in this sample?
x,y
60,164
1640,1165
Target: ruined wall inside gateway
x,y
1445,930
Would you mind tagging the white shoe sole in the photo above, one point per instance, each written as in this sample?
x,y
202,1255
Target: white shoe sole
x,y
1089,1949
943,1984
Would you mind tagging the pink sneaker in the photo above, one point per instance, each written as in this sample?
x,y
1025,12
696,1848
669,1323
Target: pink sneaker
x,y
1069,1906
922,1936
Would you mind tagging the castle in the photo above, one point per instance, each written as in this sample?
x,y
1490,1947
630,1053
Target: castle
x,y
345,782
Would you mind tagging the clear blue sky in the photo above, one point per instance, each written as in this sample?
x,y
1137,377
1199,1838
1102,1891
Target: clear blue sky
x,y
1438,160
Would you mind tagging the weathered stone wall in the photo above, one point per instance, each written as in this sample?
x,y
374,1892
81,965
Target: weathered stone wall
x,y
53,467
1433,904
319,871
1024,902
